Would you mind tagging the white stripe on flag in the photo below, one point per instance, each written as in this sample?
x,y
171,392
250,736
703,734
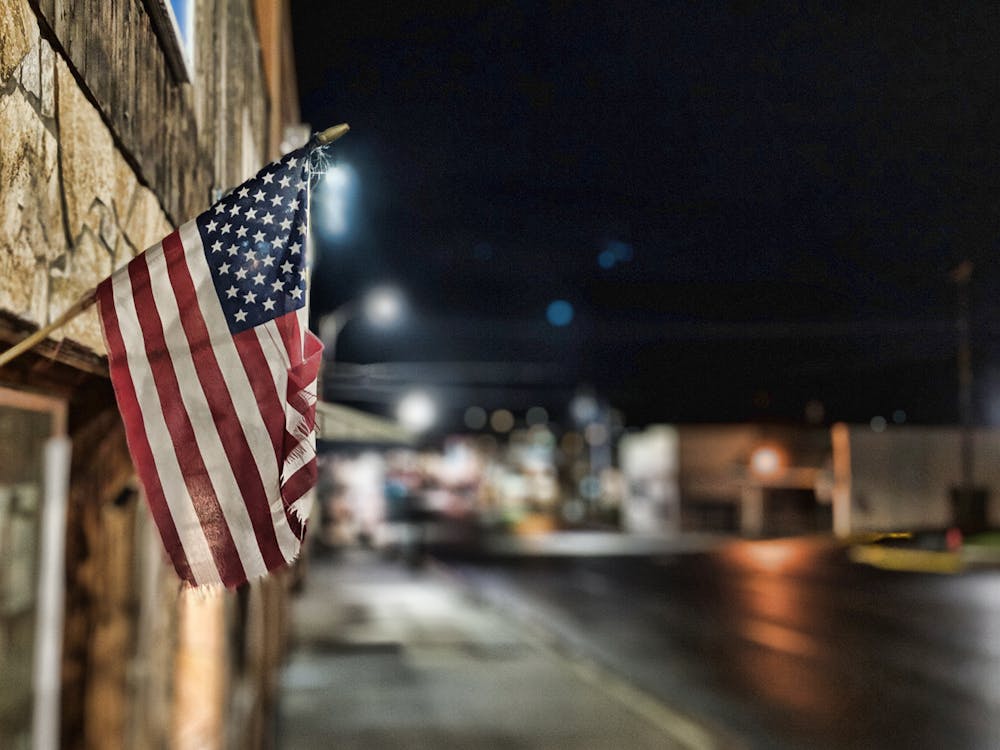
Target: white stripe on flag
x,y
240,389
277,359
213,452
274,352
175,492
300,455
303,317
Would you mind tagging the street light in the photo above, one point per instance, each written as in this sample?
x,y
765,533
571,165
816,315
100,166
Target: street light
x,y
333,201
382,306
416,411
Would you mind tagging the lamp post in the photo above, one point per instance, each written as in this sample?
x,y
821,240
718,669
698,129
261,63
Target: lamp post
x,y
382,306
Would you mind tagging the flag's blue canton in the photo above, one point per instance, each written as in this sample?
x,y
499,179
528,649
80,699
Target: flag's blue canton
x,y
255,244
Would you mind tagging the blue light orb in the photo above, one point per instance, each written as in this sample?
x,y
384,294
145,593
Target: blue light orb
x,y
559,313
606,259
622,251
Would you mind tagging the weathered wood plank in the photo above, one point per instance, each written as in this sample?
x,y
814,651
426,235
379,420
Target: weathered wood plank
x,y
115,48
47,10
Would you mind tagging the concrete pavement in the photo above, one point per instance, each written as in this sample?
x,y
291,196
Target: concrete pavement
x,y
385,657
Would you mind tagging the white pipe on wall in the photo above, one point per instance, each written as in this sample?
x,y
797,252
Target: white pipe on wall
x,y
51,592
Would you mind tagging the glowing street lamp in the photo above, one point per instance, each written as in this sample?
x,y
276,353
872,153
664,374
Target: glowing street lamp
x,y
382,306
416,411
333,200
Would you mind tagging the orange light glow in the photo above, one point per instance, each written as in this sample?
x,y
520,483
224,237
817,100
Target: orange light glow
x,y
768,461
773,556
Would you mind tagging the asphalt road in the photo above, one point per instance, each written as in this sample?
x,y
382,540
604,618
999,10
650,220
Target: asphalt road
x,y
785,644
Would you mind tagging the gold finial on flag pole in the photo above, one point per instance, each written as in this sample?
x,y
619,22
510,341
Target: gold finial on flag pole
x,y
331,134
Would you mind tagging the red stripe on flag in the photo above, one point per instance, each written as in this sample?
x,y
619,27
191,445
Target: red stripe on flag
x,y
206,504
259,373
300,482
302,384
300,381
301,374
288,327
301,378
135,433
271,407
220,403
296,524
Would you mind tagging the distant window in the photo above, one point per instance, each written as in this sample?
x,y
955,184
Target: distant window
x,y
174,22
184,19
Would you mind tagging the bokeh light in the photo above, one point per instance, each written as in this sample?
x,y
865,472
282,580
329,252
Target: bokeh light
x,y
502,420
536,415
542,436
584,408
417,411
383,305
622,251
332,201
766,461
590,487
571,443
595,434
475,417
559,313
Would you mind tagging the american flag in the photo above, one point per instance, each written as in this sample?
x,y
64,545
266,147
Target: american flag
x,y
215,372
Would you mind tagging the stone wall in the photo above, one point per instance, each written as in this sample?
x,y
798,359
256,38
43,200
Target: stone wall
x,y
71,206
126,73
104,151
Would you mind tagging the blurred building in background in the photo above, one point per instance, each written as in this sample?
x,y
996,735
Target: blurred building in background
x,y
747,480
120,121
907,477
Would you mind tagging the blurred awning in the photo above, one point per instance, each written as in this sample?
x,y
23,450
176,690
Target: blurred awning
x,y
341,424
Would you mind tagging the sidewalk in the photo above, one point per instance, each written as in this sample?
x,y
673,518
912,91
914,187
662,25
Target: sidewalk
x,y
383,657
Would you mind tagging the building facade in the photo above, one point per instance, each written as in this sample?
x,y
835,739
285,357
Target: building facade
x,y
119,122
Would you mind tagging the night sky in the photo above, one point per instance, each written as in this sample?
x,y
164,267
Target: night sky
x,y
749,206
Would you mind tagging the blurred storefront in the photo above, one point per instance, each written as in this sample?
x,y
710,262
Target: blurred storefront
x,y
905,477
750,480
743,479
120,121
762,480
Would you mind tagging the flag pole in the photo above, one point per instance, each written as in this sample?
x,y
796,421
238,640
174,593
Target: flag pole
x,y
323,138
42,333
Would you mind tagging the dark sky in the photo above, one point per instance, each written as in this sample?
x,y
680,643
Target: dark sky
x,y
779,191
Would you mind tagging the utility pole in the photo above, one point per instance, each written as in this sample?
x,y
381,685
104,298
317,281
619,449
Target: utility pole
x,y
962,275
968,502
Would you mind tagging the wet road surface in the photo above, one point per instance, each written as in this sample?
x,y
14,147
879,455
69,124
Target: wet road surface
x,y
784,643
